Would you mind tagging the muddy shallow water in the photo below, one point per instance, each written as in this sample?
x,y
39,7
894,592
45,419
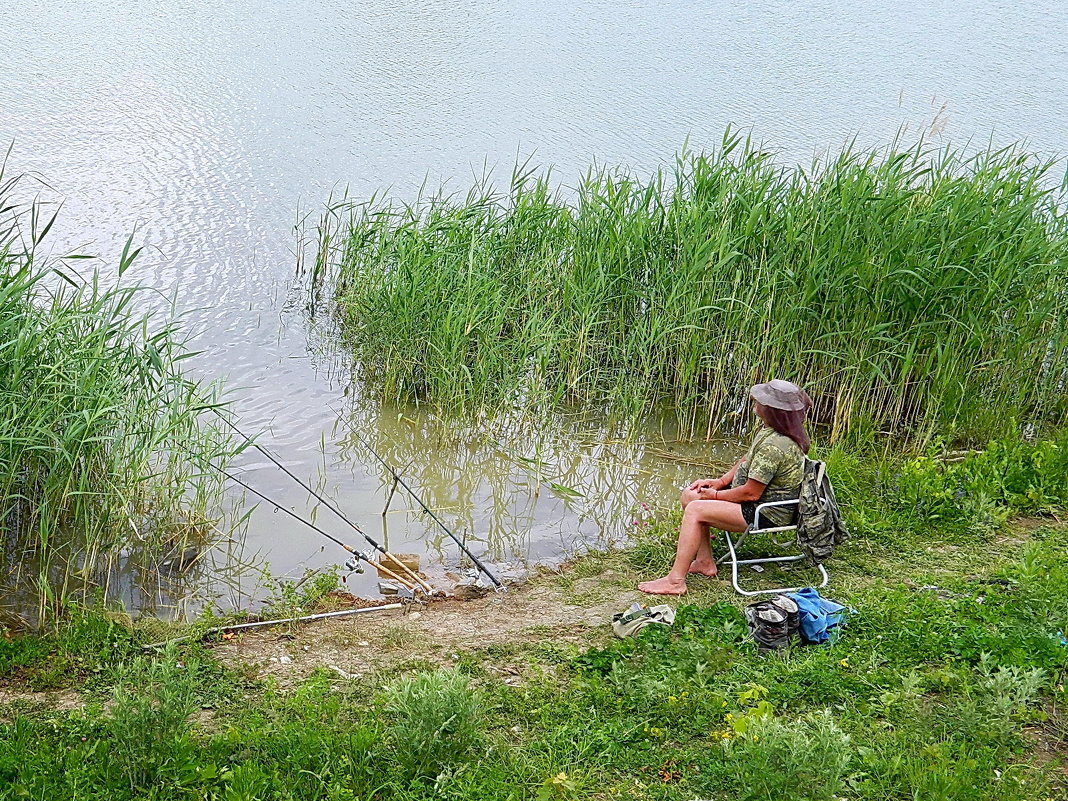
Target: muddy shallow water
x,y
212,128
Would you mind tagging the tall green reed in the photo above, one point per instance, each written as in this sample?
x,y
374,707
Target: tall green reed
x,y
101,448
910,290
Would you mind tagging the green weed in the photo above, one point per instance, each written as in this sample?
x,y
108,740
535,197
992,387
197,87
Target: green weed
x,y
806,758
148,732
432,722
83,648
101,447
295,598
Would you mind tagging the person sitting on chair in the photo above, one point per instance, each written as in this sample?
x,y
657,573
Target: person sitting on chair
x,y
771,470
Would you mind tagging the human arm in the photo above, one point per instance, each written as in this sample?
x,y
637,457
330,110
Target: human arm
x,y
764,463
751,490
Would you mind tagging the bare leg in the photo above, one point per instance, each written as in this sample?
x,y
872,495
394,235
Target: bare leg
x,y
696,520
703,564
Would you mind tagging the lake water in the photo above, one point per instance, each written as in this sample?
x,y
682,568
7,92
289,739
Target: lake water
x,y
211,127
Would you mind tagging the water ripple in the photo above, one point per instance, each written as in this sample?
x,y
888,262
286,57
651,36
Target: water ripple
x,y
207,124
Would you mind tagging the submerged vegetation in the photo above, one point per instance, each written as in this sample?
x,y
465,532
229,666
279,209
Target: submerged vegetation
x,y
947,684
912,291
100,442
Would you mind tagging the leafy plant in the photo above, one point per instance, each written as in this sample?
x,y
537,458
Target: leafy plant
x,y
148,732
433,721
996,700
102,449
294,598
773,758
912,290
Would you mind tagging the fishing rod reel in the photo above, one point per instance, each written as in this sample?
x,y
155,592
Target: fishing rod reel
x,y
408,596
354,564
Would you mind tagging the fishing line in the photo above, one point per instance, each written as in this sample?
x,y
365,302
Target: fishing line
x,y
287,471
273,503
400,481
352,564
407,570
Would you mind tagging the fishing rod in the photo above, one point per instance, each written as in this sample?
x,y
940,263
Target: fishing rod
x,y
400,481
413,576
260,623
352,565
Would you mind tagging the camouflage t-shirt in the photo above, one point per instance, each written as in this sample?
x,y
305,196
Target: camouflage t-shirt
x,y
776,461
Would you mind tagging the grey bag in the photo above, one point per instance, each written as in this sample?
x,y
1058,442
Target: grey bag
x,y
637,617
819,522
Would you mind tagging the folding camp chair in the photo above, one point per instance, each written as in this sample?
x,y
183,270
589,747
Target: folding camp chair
x,y
731,556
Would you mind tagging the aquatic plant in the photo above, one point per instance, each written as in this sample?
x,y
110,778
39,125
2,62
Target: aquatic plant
x,y
910,290
101,448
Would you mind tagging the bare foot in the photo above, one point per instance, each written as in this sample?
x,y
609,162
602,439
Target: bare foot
x,y
703,568
664,586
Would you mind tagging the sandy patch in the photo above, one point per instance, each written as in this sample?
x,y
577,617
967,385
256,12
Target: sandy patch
x,y
436,633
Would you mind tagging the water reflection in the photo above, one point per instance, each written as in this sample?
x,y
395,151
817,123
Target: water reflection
x,y
206,125
521,491
170,584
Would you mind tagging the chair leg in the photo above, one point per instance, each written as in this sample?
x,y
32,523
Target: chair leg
x,y
732,546
732,557
826,578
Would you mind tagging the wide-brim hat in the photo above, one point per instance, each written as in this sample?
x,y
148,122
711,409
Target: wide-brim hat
x,y
779,394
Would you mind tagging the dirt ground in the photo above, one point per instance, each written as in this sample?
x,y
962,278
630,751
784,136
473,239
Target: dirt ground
x,y
59,700
436,633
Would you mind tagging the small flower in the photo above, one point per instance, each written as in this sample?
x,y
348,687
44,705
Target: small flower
x,y
843,662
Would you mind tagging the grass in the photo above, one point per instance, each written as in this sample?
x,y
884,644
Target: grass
x,y
952,692
101,447
912,290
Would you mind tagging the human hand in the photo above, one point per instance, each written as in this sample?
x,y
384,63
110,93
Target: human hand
x,y
707,484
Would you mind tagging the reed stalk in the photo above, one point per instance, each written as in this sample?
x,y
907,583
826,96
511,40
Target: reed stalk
x,y
100,439
912,290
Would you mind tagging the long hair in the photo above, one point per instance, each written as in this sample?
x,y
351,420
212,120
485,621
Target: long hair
x,y
789,424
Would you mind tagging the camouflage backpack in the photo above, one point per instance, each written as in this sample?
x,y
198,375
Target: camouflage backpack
x,y
819,522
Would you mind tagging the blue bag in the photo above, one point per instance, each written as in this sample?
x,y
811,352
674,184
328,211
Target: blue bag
x,y
820,618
